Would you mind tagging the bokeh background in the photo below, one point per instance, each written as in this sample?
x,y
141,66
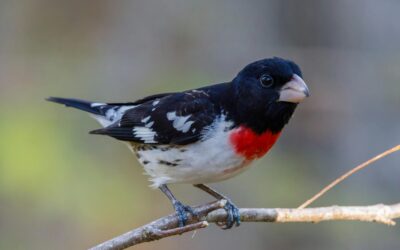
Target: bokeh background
x,y
61,188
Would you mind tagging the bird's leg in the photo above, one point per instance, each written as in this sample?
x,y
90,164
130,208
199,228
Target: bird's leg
x,y
231,209
180,209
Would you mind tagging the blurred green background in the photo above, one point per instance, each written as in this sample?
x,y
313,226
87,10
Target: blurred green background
x,y
61,188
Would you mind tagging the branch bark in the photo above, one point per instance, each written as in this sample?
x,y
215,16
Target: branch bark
x,y
211,213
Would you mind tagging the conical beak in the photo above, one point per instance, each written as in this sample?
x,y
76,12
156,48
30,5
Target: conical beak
x,y
294,91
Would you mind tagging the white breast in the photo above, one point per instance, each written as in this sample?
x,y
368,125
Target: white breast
x,y
211,160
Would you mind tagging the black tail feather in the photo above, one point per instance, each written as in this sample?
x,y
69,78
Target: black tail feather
x,y
78,104
97,132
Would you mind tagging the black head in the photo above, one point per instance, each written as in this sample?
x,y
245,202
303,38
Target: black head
x,y
267,92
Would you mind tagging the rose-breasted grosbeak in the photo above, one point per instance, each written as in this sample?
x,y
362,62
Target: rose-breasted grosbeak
x,y
208,134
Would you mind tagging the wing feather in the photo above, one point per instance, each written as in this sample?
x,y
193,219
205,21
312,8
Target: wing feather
x,y
174,119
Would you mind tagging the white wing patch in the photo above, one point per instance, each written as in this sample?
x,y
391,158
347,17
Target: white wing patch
x,y
116,114
149,125
180,123
97,104
145,134
146,122
111,115
146,119
104,122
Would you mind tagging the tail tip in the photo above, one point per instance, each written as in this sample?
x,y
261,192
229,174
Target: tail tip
x,y
96,132
56,99
51,99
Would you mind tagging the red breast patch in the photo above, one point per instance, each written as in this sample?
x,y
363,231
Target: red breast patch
x,y
252,145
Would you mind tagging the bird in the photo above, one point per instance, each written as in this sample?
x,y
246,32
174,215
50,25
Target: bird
x,y
204,135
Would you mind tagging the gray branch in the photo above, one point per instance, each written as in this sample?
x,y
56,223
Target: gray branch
x,y
212,213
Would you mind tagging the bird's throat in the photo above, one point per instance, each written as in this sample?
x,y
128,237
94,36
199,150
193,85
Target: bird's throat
x,y
250,144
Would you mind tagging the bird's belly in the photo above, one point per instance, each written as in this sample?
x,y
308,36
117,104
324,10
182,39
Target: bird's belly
x,y
211,160
190,164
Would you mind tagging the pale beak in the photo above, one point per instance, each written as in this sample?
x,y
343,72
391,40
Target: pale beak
x,y
294,91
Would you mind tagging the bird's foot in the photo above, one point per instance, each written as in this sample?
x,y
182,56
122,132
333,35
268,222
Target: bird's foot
x,y
233,216
181,211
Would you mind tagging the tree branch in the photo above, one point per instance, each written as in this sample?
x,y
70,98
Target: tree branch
x,y
211,213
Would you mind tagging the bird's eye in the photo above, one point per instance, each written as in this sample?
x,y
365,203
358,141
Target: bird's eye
x,y
266,81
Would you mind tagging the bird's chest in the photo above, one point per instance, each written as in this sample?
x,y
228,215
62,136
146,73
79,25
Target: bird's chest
x,y
250,144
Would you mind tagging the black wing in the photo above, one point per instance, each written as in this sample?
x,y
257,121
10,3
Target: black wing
x,y
174,119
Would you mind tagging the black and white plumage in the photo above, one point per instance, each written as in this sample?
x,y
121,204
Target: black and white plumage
x,y
207,134
171,119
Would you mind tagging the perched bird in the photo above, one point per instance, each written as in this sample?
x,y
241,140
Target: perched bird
x,y
207,134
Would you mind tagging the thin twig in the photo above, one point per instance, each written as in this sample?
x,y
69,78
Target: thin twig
x,y
167,226
349,173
